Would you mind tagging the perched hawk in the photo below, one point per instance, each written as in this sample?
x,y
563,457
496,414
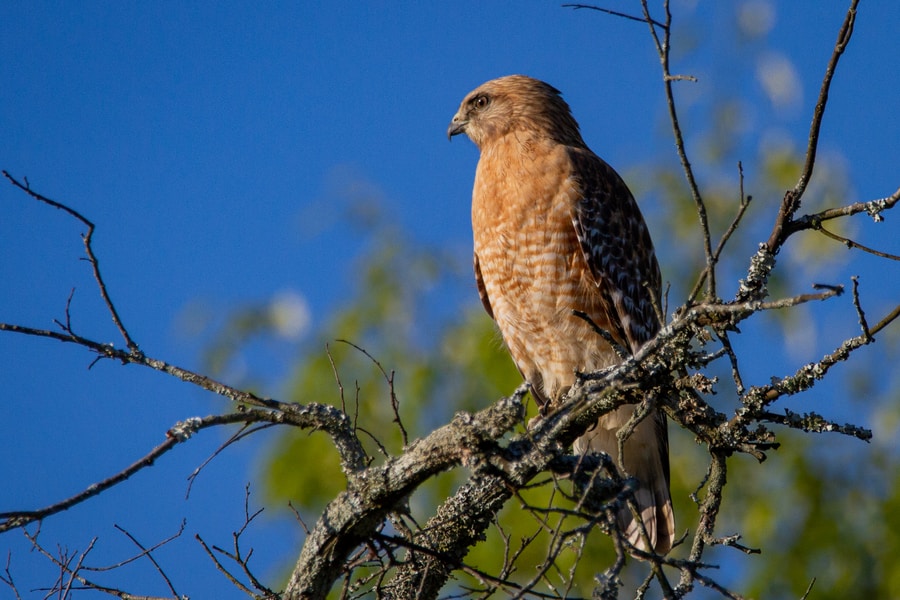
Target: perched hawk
x,y
557,231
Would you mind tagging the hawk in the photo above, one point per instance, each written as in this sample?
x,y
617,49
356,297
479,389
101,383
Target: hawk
x,y
557,232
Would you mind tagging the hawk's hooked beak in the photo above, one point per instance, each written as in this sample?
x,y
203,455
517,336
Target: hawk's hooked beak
x,y
457,126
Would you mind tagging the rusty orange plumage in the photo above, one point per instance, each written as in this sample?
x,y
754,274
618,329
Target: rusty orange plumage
x,y
556,231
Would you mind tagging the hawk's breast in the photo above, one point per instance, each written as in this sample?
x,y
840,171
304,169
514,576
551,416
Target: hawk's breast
x,y
532,266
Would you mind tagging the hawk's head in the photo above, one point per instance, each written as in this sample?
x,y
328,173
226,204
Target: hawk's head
x,y
514,103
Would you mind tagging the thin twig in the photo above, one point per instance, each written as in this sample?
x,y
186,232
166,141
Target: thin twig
x,y
240,434
860,313
140,555
709,511
299,518
149,554
508,585
662,49
616,13
337,377
92,258
886,320
815,423
757,398
221,568
851,244
791,202
743,205
618,348
389,379
180,432
808,589
8,580
69,573
325,417
732,358
13,519
67,326
244,561
873,208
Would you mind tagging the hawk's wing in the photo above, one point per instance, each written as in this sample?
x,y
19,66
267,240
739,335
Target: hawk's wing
x,y
616,244
482,291
617,247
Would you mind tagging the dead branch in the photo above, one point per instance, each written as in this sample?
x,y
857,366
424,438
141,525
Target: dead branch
x,y
791,202
92,258
180,432
662,49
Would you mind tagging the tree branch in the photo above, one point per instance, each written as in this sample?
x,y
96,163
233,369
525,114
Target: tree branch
x,y
178,433
662,49
791,202
92,258
357,513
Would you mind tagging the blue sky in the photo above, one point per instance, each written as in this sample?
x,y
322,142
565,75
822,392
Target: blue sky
x,y
213,146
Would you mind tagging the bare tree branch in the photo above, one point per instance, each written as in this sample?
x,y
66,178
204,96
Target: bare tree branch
x,y
70,574
8,579
616,13
238,556
92,258
319,416
662,49
743,205
791,202
179,433
357,513
389,379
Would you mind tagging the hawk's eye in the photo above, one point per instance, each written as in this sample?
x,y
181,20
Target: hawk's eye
x,y
480,102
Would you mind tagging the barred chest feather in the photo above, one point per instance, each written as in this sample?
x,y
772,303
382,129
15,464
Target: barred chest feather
x,y
532,267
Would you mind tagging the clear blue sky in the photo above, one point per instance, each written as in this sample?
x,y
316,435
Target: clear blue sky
x,y
212,144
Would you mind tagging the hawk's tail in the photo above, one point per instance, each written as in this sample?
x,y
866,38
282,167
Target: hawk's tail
x,y
647,460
